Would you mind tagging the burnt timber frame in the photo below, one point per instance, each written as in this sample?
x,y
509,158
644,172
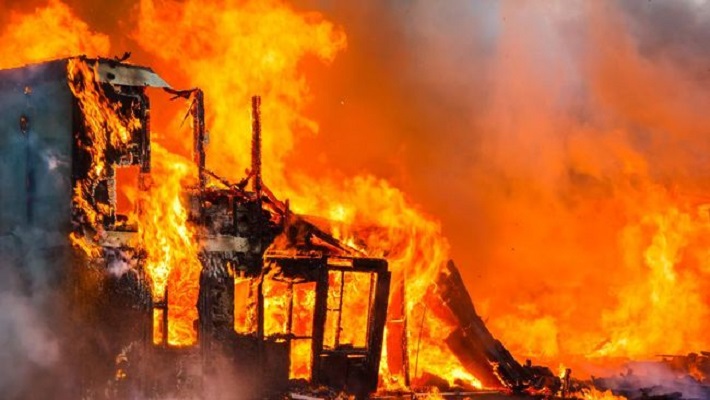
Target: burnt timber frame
x,y
354,370
242,226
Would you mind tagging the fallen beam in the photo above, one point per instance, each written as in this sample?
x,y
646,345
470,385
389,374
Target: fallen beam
x,y
473,340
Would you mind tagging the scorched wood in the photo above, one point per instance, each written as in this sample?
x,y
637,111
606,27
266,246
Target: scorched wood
x,y
473,339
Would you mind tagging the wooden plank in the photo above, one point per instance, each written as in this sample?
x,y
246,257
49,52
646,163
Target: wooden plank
x,y
475,338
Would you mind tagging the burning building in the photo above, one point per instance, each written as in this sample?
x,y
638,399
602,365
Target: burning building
x,y
233,273
184,277
568,132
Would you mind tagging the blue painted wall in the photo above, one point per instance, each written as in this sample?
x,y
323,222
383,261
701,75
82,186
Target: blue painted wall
x,y
36,165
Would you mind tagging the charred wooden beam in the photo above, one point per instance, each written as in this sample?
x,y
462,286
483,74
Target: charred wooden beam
x,y
474,336
198,117
377,324
319,318
256,144
473,358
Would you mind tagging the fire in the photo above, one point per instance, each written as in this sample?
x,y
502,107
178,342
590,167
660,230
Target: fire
x,y
277,301
106,128
49,32
664,310
304,303
601,234
233,51
655,301
433,395
594,394
171,262
171,248
386,224
245,301
289,307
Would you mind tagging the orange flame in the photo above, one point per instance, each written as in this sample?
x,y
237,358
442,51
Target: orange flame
x,y
663,311
245,305
106,127
434,394
416,251
171,248
594,394
275,40
49,32
233,51
171,264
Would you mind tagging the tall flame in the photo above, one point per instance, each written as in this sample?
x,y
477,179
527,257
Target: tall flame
x,y
171,248
49,32
664,310
235,49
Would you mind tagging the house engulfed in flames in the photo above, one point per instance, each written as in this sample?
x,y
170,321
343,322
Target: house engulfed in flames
x,y
194,278
235,273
